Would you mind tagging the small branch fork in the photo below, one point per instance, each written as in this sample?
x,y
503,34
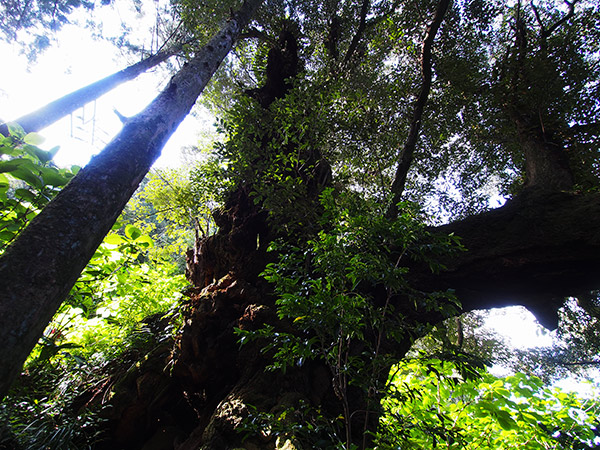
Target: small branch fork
x,y
545,32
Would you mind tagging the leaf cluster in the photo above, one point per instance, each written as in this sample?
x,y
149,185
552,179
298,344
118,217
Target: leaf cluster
x,y
28,181
110,315
325,292
431,405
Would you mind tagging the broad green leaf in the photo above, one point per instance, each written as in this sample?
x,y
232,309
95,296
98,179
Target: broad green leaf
x,y
144,241
14,226
25,194
132,232
27,175
9,149
3,181
53,177
53,151
14,129
34,139
114,239
41,155
11,165
505,420
6,235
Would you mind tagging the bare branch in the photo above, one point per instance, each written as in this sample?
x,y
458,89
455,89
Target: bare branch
x,y
253,33
359,32
576,363
537,17
406,156
567,16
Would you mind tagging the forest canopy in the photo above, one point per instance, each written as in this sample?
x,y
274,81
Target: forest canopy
x,y
314,278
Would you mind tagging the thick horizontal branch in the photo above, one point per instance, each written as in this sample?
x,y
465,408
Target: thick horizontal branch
x,y
536,250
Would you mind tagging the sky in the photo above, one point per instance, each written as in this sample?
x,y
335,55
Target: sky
x,y
74,61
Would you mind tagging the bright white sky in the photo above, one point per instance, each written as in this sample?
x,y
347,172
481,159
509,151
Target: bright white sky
x,y
77,60
519,326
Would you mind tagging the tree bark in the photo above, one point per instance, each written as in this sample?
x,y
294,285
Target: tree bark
x,y
547,164
221,381
67,104
42,265
535,251
546,161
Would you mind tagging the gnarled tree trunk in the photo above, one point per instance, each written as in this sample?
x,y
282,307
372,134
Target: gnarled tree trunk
x,y
534,251
223,383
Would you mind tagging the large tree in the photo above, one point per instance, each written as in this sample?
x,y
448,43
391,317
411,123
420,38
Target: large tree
x,y
74,224
390,102
357,107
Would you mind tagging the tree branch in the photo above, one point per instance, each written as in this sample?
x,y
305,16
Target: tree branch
x,y
359,32
538,18
567,16
253,33
576,363
419,106
535,251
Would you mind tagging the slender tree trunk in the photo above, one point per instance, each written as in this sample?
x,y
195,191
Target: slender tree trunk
x,y
67,104
42,265
408,150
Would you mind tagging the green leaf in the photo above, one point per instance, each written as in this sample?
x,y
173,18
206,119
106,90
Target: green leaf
x,y
10,166
14,129
27,175
6,235
7,147
3,181
505,420
53,177
41,155
34,139
25,194
132,232
114,239
144,241
53,151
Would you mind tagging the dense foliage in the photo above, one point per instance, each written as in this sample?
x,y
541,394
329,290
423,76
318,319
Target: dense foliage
x,y
111,313
513,107
28,181
432,405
